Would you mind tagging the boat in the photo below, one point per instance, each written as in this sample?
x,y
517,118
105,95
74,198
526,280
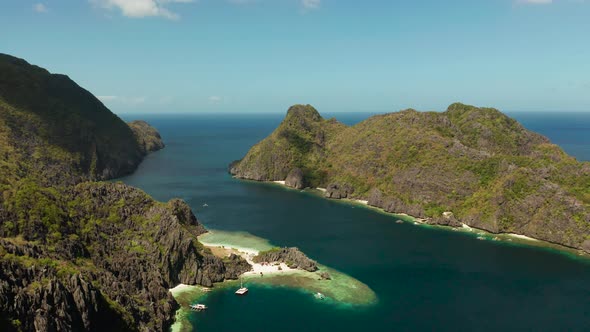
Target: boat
x,y
198,307
205,205
319,296
243,290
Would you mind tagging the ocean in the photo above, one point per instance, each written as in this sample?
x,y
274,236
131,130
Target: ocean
x,y
426,279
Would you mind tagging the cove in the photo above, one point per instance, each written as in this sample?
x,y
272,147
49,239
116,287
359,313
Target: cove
x,y
424,278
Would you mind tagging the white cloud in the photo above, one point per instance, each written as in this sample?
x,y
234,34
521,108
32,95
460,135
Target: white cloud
x,y
39,8
106,98
127,101
535,2
140,8
241,2
215,100
311,4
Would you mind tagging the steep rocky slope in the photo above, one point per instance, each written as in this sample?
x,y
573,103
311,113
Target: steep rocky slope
x,y
147,137
111,250
67,117
466,165
293,257
78,255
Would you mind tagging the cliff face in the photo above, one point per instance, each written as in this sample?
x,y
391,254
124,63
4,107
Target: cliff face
x,y
476,163
78,255
293,257
299,142
112,251
147,137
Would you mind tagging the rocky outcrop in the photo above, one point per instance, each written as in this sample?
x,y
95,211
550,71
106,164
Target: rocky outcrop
x,y
338,191
304,131
293,257
477,164
50,117
35,298
125,253
147,137
295,179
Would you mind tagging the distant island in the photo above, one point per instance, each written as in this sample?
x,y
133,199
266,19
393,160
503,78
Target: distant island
x,y
466,166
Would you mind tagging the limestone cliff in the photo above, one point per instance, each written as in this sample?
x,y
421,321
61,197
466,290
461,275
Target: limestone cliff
x,y
147,137
53,109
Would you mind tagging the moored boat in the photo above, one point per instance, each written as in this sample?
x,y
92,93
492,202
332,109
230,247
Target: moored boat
x,y
198,307
243,290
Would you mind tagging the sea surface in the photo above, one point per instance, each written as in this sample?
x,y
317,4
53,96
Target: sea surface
x,y
426,279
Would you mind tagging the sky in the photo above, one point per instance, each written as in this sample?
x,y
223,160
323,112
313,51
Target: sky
x,y
177,56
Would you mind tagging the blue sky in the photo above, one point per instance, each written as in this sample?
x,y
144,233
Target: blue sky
x,y
174,56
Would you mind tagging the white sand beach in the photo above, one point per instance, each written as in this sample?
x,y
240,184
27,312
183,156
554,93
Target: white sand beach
x,y
522,237
466,227
222,250
180,288
417,221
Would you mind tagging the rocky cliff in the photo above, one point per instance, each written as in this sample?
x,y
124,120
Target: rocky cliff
x,y
466,165
147,137
293,257
78,255
112,250
54,109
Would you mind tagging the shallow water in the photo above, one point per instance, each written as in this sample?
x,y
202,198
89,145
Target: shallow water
x,y
425,278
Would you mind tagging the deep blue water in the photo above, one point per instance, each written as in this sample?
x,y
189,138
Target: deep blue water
x,y
425,279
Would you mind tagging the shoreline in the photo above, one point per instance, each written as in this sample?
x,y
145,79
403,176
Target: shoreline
x,y
507,238
223,250
339,289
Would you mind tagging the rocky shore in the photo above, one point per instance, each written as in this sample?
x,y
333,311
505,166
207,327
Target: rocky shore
x,y
292,257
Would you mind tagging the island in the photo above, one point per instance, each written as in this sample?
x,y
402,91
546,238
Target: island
x,y
467,167
271,266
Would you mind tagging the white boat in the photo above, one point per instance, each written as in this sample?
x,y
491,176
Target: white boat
x,y
198,307
243,290
319,296
205,205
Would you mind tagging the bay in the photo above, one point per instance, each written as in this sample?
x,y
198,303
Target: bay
x,y
426,279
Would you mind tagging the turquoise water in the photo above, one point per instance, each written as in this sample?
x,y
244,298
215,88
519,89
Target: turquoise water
x,y
425,279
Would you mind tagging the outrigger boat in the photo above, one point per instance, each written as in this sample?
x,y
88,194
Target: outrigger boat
x,y
198,307
319,296
243,290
